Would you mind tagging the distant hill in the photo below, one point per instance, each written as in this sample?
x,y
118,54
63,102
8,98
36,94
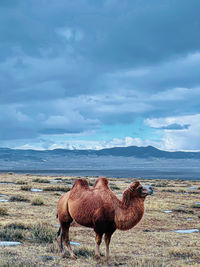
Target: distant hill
x,y
147,152
131,151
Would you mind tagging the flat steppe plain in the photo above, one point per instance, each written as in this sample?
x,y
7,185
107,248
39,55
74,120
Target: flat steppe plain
x,y
30,218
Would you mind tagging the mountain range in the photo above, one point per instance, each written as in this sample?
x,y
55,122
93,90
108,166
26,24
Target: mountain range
x,y
131,151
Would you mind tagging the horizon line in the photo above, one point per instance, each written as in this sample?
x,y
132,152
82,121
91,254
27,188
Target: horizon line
x,y
89,149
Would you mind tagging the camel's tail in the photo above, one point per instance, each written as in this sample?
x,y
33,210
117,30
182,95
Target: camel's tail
x,y
59,238
59,232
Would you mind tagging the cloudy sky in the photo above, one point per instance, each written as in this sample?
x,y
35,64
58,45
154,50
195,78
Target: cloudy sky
x,y
95,74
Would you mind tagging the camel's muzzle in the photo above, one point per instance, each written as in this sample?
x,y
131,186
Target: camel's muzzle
x,y
148,190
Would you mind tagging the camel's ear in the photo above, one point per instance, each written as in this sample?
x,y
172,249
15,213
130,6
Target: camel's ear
x,y
134,185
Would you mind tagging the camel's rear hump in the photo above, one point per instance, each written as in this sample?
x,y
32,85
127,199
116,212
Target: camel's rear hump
x,y
101,182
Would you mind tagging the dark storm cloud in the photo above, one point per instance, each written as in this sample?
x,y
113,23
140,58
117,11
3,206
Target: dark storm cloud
x,y
69,66
112,34
175,126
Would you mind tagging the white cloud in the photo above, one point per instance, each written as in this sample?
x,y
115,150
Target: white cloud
x,y
66,33
30,146
98,144
70,34
176,94
176,139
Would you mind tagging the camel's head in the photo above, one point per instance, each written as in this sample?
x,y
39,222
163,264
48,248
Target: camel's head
x,y
142,191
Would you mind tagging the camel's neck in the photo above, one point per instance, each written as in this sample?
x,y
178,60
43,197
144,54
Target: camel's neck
x,y
128,214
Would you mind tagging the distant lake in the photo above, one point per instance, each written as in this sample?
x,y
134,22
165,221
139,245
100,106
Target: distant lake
x,y
110,166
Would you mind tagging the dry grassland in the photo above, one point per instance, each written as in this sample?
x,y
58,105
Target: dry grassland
x,y
30,217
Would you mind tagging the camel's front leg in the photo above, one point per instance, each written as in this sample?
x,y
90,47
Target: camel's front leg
x,y
98,243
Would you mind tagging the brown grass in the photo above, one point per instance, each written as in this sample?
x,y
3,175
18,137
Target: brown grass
x,y
3,211
150,243
19,198
37,202
21,182
26,187
40,180
56,188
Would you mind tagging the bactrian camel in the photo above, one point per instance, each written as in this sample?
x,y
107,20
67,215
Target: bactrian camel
x,y
100,209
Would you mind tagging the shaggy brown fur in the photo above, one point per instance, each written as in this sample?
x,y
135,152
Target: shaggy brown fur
x,y
100,209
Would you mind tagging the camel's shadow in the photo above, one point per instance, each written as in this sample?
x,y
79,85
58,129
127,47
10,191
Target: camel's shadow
x,y
86,253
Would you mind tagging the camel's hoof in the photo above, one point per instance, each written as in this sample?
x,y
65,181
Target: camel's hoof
x,y
97,256
73,257
63,255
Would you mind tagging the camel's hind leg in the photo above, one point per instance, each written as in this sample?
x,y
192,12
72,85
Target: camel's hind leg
x,y
59,240
65,236
65,220
98,239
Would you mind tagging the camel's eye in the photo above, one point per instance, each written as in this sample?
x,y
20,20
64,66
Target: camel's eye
x,y
139,190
